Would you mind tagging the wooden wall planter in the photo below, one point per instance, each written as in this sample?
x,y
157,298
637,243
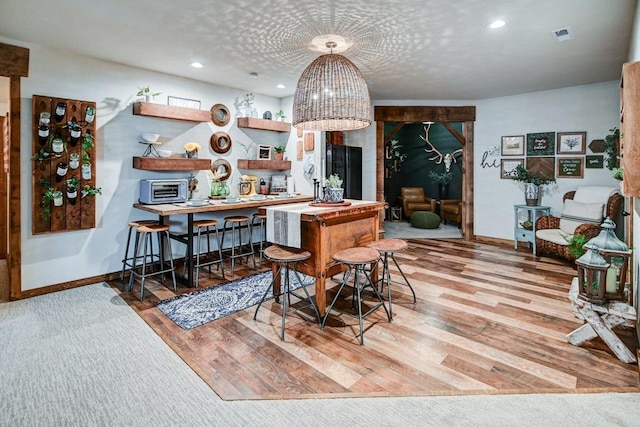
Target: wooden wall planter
x,y
69,216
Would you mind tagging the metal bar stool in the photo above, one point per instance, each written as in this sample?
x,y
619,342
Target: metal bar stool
x,y
233,224
127,261
287,258
144,236
387,249
357,260
206,224
261,220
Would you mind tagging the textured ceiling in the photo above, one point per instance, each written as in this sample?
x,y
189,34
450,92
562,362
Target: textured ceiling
x,y
406,49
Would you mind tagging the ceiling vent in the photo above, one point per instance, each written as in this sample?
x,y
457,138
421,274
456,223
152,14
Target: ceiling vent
x,y
562,34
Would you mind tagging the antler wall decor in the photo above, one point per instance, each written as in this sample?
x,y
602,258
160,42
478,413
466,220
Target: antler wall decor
x,y
438,157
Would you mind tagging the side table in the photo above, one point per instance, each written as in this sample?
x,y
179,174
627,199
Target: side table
x,y
525,234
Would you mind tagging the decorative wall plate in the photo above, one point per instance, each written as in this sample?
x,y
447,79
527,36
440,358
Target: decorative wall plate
x,y
220,142
220,114
222,168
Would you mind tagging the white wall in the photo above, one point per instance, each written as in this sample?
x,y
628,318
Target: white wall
x,y
60,257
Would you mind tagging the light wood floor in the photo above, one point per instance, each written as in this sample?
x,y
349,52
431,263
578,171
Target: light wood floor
x,y
488,319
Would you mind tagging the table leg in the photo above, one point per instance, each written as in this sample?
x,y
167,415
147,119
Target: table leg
x,y
190,250
321,293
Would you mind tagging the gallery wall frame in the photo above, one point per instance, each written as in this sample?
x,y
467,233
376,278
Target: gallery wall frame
x,y
183,102
594,162
508,166
571,143
544,167
570,167
264,152
541,144
512,145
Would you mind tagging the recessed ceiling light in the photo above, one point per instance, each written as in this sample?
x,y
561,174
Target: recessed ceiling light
x,y
280,86
253,75
498,23
196,64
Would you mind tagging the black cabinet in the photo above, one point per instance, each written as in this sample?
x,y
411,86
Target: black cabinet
x,y
347,163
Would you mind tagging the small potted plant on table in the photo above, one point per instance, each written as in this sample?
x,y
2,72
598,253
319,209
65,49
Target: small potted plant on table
x,y
333,191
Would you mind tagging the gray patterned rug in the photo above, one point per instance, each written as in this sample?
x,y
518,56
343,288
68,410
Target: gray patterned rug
x,y
206,305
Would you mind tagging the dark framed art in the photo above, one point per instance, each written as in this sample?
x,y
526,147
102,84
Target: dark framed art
x,y
570,167
594,162
508,167
541,144
512,145
572,143
264,152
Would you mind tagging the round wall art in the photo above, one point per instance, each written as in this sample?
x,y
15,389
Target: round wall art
x,y
222,169
220,114
220,142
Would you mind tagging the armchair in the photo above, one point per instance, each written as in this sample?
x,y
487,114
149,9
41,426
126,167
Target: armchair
x,y
584,210
413,199
451,210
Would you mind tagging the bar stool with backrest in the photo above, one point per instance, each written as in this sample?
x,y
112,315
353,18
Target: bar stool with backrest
x,y
207,225
127,261
234,225
261,220
143,243
286,259
387,249
357,260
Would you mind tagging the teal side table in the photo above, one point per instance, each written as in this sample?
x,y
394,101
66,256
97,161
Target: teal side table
x,y
523,234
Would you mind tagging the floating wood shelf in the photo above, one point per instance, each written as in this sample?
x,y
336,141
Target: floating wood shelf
x,y
170,164
253,123
280,165
170,112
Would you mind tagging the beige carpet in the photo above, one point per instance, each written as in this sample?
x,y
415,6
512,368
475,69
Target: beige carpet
x,y
82,357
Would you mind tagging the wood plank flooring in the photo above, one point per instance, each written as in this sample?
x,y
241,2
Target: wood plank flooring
x,y
489,319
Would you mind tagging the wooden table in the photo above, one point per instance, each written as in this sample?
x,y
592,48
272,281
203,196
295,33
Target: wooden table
x,y
600,321
329,230
164,211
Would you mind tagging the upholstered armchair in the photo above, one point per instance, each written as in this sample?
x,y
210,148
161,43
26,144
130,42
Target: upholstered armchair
x,y
451,210
584,210
413,199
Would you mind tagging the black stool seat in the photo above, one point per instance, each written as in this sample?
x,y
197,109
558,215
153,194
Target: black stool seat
x,y
387,249
357,260
286,258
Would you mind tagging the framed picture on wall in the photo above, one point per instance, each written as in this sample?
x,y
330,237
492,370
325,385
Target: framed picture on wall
x,y
594,162
513,145
572,142
541,144
508,167
570,167
544,167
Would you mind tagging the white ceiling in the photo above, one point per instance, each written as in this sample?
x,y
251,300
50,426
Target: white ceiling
x,y
406,49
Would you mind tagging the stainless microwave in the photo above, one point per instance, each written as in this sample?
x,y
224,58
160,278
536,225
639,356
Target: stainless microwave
x,y
157,191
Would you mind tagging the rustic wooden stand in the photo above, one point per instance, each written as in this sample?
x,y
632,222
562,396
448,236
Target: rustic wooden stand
x,y
600,321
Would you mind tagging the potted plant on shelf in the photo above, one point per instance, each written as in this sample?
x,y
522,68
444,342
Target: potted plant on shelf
x,y
148,95
333,189
75,130
248,105
72,189
90,190
280,115
191,149
532,184
279,152
49,195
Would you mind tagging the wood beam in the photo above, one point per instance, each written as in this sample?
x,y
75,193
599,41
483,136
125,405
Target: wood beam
x,y
14,61
14,259
393,132
457,135
424,113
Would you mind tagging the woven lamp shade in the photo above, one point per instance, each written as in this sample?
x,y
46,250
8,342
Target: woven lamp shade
x,y
331,95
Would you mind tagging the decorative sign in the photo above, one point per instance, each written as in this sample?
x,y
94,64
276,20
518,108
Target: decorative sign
x,y
508,167
597,146
594,162
570,167
513,145
541,144
183,102
544,167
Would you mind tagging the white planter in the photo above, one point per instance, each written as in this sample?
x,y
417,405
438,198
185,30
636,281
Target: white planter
x,y
86,171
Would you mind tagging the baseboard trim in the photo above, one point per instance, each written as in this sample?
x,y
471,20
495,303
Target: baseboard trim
x,y
68,285
493,240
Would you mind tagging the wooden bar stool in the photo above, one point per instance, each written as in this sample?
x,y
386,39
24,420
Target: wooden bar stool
x,y
287,258
357,260
206,225
387,249
127,261
234,224
145,236
261,220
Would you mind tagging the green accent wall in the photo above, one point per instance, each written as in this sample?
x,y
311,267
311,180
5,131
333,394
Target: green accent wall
x,y
414,171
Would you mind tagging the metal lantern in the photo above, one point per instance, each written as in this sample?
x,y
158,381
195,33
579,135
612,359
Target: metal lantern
x,y
617,254
592,276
